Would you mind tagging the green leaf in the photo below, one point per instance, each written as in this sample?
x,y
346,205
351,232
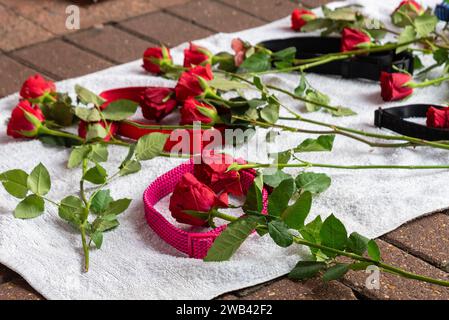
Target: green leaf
x,y
313,182
295,215
30,207
253,199
270,113
274,179
357,243
96,131
150,145
77,156
278,231
322,143
306,270
96,175
279,198
120,110
408,34
86,96
130,167
117,207
440,56
258,62
227,243
301,88
286,54
102,225
97,238
333,234
373,250
336,272
71,209
61,113
227,85
15,182
99,153
318,97
316,24
101,201
343,112
425,24
39,180
88,114
311,233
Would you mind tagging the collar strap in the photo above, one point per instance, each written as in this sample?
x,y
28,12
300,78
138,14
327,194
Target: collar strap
x,y
194,244
366,67
394,119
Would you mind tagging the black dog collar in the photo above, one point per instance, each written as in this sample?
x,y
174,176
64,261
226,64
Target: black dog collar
x,y
367,67
394,119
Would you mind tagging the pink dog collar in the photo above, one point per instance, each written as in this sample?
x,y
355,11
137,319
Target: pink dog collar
x,y
193,244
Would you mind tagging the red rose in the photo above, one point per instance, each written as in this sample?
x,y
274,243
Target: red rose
x,y
193,110
154,59
196,55
212,171
25,121
84,126
156,103
300,17
437,118
351,38
392,86
410,5
240,49
36,86
190,194
189,84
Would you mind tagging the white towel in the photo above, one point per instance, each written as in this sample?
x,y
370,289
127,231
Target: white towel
x,y
135,264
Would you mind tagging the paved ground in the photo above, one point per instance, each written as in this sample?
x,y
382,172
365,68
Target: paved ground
x,y
33,38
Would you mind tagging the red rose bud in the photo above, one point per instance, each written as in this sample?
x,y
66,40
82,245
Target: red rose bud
x,y
351,39
437,118
156,103
392,86
240,48
406,12
84,127
300,17
196,55
155,59
193,110
212,171
190,194
410,5
25,121
193,82
36,86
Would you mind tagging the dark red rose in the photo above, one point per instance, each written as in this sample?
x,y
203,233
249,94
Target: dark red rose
x,y
392,86
300,17
155,58
189,85
25,121
438,118
36,86
190,194
83,127
351,38
193,110
212,171
156,103
196,55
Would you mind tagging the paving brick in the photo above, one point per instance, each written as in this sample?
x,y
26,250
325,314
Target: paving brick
x,y
13,75
111,43
61,60
268,10
427,238
215,16
398,288
16,31
7,274
51,15
315,3
18,290
165,28
312,289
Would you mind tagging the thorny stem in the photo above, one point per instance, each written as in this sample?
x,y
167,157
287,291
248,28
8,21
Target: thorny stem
x,y
334,166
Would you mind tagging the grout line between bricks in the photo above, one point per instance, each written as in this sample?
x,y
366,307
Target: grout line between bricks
x,y
32,66
173,14
241,10
117,25
90,51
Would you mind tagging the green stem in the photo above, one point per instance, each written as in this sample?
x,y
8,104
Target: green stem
x,y
57,133
84,217
85,248
426,83
164,127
